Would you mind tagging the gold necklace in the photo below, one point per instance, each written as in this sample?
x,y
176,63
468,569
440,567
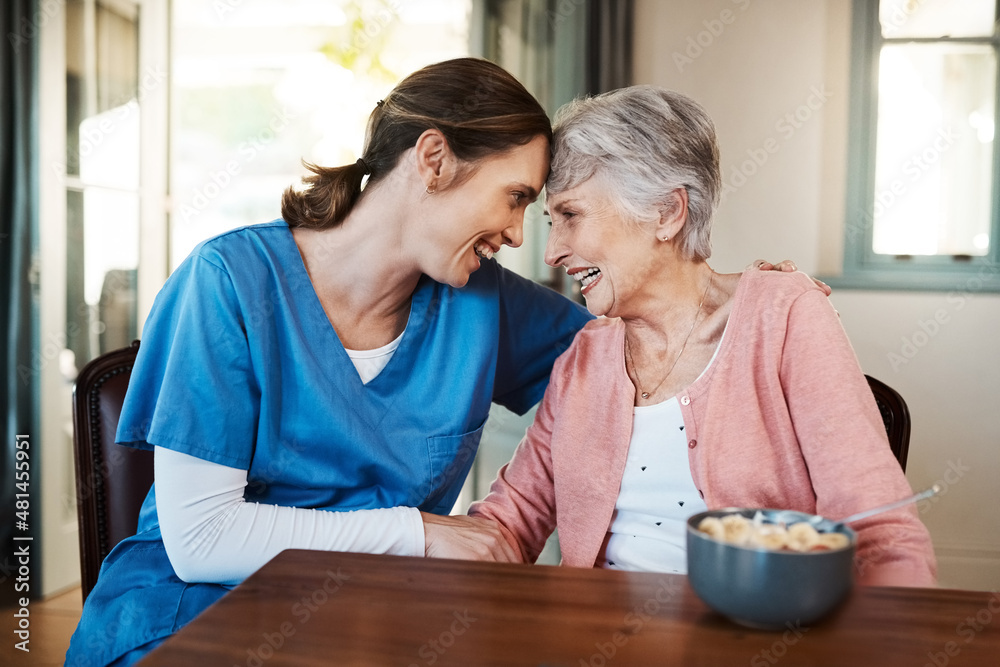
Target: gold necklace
x,y
628,348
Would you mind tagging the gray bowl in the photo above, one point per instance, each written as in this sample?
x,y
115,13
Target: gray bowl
x,y
769,589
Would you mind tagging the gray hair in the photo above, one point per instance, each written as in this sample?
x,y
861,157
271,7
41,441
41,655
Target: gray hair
x,y
643,142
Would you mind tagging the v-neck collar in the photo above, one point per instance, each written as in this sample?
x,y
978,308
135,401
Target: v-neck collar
x,y
338,366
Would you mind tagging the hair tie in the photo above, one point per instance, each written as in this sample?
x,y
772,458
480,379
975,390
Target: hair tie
x,y
364,166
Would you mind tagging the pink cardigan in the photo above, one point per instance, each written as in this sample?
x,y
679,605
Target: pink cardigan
x,y
782,418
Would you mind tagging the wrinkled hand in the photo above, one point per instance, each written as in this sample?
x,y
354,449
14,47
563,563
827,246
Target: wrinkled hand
x,y
788,266
466,538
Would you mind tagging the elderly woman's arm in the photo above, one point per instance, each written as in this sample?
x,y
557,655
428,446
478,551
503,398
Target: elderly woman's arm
x,y
522,497
844,445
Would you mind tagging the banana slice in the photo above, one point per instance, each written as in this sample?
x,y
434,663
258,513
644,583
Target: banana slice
x,y
738,529
713,528
769,536
802,537
833,540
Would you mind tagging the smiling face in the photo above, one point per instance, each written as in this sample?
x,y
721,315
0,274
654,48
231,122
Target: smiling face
x,y
611,258
478,216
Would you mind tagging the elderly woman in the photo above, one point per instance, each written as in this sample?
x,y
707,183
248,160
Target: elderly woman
x,y
695,389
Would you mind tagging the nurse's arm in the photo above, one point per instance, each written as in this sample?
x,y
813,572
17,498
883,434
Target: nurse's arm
x,y
212,534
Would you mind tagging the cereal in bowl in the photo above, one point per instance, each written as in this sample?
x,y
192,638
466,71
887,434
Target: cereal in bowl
x,y
736,529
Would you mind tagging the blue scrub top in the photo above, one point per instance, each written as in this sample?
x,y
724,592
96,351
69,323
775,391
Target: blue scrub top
x,y
239,365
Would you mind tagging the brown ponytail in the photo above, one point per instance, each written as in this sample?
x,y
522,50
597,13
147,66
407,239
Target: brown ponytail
x,y
478,106
329,196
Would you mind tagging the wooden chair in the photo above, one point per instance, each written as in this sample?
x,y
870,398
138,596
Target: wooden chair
x,y
111,480
895,416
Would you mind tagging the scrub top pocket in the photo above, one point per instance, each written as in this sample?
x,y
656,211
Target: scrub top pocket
x,y
451,459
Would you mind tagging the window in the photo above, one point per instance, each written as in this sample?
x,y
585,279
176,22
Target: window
x,y
922,209
258,85
101,167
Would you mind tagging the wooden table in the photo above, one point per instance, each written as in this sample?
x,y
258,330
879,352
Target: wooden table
x,y
319,608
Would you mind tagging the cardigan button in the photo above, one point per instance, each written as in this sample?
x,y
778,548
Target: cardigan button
x,y
692,444
685,400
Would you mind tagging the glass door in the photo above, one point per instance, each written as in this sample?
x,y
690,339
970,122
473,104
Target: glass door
x,y
103,91
102,177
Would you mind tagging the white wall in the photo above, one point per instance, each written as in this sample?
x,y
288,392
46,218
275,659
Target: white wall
x,y
755,65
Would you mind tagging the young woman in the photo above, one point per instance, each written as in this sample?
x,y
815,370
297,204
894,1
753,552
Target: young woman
x,y
322,381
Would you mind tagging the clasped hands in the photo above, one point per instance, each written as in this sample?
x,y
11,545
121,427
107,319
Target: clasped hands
x,y
466,538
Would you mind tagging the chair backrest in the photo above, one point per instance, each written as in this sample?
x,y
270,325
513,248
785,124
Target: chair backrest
x,y
111,480
895,416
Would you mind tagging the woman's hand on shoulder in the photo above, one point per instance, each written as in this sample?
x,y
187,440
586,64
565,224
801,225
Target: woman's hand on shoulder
x,y
787,266
466,538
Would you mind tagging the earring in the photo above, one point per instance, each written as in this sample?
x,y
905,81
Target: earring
x,y
665,239
428,190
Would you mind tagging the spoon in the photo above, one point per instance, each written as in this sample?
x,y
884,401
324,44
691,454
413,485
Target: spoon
x,y
891,506
816,519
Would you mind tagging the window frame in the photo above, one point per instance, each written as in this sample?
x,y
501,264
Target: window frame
x,y
862,267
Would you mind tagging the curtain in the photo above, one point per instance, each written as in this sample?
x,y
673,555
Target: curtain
x,y
560,50
609,45
538,41
19,29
